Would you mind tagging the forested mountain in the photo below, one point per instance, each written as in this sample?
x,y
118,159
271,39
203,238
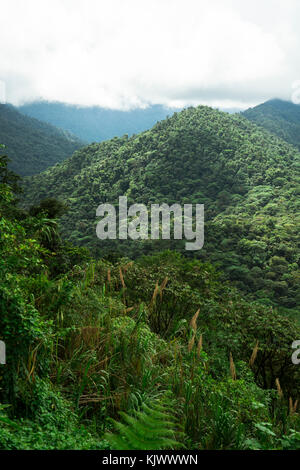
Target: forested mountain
x,y
282,118
94,124
156,353
247,178
33,145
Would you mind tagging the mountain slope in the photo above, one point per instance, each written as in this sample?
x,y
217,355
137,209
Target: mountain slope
x,y
247,178
94,124
279,117
32,145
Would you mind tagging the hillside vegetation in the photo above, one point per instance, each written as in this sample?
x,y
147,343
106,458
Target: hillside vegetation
x,y
247,179
32,145
156,353
282,118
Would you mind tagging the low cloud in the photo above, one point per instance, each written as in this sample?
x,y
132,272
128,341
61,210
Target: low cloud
x,y
131,54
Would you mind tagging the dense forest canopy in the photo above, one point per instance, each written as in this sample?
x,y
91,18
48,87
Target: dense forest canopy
x,y
247,178
282,118
33,145
157,353
149,229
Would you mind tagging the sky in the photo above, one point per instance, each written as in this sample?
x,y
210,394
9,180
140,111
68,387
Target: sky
x,y
124,54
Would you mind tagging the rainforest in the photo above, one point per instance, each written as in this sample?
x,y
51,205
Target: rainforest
x,y
149,230
136,344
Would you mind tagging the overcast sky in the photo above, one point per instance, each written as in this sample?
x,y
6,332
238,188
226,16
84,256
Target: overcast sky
x,y
130,53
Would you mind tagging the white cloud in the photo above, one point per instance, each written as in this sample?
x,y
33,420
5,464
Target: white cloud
x,y
123,54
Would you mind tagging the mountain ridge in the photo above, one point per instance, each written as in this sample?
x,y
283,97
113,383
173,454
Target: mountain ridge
x,y
32,145
246,177
280,117
94,123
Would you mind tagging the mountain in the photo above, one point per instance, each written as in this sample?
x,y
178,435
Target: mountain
x,y
94,124
282,118
31,145
162,333
247,178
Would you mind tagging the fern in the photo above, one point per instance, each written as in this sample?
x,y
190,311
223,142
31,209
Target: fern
x,y
151,428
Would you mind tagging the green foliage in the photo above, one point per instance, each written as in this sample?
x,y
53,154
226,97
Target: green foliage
x,y
161,340
33,145
282,118
247,179
30,435
50,207
151,428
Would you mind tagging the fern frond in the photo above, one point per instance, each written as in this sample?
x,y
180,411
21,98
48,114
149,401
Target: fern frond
x,y
151,428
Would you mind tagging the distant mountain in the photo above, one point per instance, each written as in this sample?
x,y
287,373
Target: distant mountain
x,y
31,145
279,117
247,178
95,124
